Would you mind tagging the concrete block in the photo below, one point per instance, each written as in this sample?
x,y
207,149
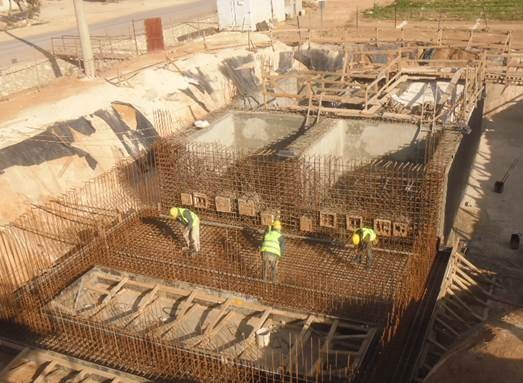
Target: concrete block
x,y
186,199
400,229
246,207
306,224
223,204
267,217
327,219
354,222
201,200
383,227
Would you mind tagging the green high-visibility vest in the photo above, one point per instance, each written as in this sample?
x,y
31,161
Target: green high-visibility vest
x,y
271,243
195,218
368,235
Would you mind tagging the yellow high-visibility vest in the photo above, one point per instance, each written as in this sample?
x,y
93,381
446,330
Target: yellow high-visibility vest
x,y
271,243
195,218
368,235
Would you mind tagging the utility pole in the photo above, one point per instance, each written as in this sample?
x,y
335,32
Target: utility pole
x,y
85,39
322,10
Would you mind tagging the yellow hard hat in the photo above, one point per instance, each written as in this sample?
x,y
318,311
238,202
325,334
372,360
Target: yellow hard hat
x,y
356,239
174,212
276,225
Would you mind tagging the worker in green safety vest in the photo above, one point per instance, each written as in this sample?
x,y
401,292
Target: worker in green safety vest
x,y
272,249
191,227
363,240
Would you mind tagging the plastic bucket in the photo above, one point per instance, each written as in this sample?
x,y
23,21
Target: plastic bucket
x,y
263,337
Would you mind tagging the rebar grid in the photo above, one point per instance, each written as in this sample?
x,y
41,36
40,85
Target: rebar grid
x,y
97,226
46,232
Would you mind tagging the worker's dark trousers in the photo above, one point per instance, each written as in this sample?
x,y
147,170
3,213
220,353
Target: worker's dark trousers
x,y
365,249
270,266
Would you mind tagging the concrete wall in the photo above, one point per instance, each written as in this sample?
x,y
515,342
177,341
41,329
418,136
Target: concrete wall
x,y
293,7
235,15
459,172
366,140
278,10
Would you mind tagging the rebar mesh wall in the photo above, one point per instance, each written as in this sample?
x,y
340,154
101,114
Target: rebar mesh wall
x,y
45,233
300,187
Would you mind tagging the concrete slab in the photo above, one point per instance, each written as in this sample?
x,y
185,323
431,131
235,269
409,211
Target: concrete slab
x,y
248,131
362,140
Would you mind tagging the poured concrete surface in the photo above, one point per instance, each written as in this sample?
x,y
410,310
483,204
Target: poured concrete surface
x,y
249,131
362,140
348,139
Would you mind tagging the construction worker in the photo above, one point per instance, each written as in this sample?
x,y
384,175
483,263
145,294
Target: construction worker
x,y
272,250
191,226
363,239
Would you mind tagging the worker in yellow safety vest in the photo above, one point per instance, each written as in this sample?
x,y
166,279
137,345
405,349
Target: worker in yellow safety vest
x,y
363,239
191,226
272,249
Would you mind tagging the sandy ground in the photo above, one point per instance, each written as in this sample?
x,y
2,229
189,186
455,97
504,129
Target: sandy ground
x,y
57,15
493,353
18,106
487,219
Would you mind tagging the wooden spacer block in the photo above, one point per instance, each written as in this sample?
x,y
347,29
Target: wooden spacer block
x,y
246,207
354,222
305,224
400,229
327,219
200,200
223,204
267,218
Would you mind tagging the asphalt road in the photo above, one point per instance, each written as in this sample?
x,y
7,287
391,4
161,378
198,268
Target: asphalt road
x,y
18,50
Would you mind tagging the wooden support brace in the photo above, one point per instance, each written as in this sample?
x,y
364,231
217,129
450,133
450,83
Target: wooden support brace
x,y
324,348
42,377
82,375
439,319
105,301
181,312
302,338
243,345
146,302
212,327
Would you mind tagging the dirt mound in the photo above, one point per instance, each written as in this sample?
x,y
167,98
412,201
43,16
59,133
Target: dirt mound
x,y
453,54
494,353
